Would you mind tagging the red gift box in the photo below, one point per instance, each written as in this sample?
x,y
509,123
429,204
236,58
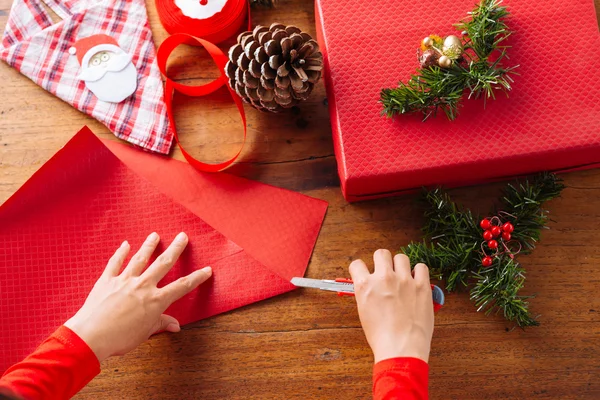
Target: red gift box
x,y
550,121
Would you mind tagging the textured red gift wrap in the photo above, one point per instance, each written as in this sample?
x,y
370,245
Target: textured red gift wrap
x,y
550,121
60,228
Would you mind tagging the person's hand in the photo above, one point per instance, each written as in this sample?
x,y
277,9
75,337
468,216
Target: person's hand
x,y
395,309
125,309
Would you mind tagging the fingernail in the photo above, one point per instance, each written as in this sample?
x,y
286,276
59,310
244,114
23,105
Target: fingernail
x,y
181,237
207,270
125,243
153,237
173,327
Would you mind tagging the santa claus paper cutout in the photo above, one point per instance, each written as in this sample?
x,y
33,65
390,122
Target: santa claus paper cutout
x,y
113,75
106,69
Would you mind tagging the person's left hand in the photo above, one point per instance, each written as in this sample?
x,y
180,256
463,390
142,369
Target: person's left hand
x,y
125,309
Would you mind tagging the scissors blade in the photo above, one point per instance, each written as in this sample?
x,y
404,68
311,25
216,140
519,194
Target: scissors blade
x,y
323,284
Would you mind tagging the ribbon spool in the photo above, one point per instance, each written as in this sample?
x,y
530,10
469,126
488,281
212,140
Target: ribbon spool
x,y
211,20
162,56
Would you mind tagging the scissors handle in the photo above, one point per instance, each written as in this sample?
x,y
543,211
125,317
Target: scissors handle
x,y
343,280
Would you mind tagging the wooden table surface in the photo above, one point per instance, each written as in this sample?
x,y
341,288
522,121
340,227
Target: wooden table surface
x,y
309,344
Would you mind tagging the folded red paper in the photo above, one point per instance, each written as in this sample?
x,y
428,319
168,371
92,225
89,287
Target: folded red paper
x,y
59,229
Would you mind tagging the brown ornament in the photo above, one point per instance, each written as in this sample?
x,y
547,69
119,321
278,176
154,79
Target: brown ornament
x,y
429,58
274,68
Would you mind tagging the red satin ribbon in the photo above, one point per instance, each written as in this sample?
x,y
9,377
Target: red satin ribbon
x,y
162,56
215,29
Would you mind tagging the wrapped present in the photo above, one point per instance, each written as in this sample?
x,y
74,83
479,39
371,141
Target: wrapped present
x,y
549,121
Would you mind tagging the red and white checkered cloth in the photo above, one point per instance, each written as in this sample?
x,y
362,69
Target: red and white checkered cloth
x,y
39,49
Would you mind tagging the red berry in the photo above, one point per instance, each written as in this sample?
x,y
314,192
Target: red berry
x,y
508,227
487,235
487,261
485,224
506,236
492,244
496,231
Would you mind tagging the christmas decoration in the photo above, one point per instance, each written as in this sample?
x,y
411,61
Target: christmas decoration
x,y
172,87
450,67
112,76
107,70
274,68
494,228
462,255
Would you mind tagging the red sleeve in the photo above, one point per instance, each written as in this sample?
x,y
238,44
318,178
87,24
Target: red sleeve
x,y
403,378
60,367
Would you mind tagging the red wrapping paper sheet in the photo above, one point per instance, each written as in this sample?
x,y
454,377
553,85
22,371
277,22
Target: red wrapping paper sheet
x,y
59,229
551,120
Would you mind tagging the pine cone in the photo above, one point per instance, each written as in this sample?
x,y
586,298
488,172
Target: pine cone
x,y
274,68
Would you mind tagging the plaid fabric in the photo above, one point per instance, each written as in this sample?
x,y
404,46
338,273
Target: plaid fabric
x,y
39,50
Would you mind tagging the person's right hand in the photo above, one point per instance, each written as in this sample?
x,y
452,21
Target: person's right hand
x,y
395,309
125,308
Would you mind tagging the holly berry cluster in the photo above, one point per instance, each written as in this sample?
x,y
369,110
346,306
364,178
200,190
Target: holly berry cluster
x,y
493,231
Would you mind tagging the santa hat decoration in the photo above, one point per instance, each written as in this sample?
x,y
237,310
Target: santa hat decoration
x,y
85,48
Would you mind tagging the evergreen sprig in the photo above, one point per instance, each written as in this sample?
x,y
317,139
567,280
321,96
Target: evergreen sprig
x,y
526,200
497,289
452,246
486,29
479,71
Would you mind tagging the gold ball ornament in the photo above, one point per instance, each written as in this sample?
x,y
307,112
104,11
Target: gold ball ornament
x,y
427,42
445,62
453,47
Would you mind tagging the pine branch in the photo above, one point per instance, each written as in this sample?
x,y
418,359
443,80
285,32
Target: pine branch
x,y
449,263
433,89
524,203
452,230
427,254
486,29
453,246
497,290
445,219
483,79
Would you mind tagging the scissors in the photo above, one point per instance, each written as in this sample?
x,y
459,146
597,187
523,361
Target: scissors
x,y
345,287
